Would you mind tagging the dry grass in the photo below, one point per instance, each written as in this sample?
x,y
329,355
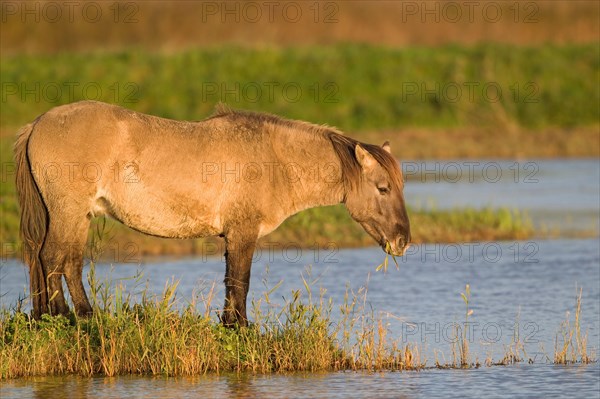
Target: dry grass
x,y
514,352
465,143
170,26
570,345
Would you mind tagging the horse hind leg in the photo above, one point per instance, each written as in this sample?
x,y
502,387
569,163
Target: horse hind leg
x,y
53,259
62,255
56,296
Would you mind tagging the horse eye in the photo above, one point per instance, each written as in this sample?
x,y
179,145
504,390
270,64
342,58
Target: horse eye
x,y
383,190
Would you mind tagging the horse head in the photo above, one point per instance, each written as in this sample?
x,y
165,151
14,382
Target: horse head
x,y
376,200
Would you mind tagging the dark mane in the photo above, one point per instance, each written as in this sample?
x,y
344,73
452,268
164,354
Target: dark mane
x,y
343,145
351,171
260,118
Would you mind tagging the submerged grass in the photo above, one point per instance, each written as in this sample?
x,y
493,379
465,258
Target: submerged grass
x,y
163,335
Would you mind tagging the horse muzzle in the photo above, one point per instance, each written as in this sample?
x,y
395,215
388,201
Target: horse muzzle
x,y
397,248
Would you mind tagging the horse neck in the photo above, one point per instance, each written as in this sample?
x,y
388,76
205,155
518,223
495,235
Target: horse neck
x,y
311,168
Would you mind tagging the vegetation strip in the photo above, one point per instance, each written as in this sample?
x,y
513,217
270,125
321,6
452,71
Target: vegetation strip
x,y
326,229
505,87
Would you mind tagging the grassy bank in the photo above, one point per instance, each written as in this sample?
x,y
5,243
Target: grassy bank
x,y
158,337
334,225
355,87
328,228
487,100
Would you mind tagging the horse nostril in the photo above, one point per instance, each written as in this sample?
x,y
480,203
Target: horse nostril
x,y
401,242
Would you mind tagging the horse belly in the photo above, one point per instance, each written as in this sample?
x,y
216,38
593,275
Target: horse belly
x,y
154,216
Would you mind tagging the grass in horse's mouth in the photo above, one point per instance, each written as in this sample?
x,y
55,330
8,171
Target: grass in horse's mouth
x,y
388,253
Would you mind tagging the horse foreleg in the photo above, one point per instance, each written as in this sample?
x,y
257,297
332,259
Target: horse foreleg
x,y
238,258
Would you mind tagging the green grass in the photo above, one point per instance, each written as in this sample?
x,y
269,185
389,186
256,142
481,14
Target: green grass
x,y
334,224
9,207
355,87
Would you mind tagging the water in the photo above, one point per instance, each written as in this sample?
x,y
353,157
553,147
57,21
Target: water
x,y
522,288
557,194
520,381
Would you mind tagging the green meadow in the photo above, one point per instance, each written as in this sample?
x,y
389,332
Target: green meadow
x,y
356,87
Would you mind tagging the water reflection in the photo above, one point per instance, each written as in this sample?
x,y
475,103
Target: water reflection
x,y
539,380
241,386
47,387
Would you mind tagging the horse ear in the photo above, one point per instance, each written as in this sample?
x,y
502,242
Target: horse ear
x,y
386,146
363,157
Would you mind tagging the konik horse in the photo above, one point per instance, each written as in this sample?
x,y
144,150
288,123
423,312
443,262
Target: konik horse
x,y
236,174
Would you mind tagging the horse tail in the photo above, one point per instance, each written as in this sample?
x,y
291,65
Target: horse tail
x,y
34,222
